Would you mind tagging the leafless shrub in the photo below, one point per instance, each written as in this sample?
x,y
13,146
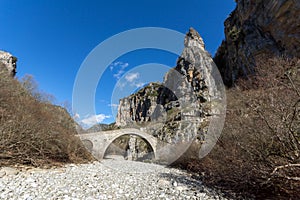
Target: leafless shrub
x,y
258,151
33,132
29,83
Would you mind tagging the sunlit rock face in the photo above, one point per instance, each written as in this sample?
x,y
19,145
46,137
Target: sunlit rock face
x,y
178,109
193,39
255,28
9,62
140,106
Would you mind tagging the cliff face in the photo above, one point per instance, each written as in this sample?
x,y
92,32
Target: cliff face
x,y
9,62
254,28
140,106
179,108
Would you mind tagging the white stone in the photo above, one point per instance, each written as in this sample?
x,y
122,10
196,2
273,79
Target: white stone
x,y
175,184
2,174
75,183
9,171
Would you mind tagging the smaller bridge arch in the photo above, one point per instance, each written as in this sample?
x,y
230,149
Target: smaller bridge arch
x,y
101,140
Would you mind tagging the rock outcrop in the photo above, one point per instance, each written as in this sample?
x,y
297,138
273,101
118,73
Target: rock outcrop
x,y
9,62
254,28
138,107
180,108
100,127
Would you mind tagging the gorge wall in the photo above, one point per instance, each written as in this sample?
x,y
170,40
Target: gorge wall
x,y
255,28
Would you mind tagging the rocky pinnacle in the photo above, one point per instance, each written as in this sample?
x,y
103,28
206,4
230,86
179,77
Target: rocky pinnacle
x,y
180,108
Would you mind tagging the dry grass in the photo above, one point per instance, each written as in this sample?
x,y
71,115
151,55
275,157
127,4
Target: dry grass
x,y
258,151
33,132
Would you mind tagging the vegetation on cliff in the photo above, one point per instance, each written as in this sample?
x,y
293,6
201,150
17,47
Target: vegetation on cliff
x,y
259,149
258,152
254,28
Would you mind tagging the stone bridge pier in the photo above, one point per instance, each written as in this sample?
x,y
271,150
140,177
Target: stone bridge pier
x,y
98,142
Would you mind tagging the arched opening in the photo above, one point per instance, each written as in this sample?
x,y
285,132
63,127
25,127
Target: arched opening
x,y
130,147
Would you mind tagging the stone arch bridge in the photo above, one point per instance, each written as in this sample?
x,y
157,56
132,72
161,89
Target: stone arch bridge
x,y
98,142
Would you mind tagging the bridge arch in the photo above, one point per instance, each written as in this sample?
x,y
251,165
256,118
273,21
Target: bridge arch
x,y
148,140
102,140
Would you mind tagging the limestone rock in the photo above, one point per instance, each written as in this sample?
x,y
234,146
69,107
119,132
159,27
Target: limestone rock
x,y
177,110
9,62
194,39
258,27
139,106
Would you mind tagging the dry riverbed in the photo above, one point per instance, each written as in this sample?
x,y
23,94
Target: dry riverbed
x,y
108,179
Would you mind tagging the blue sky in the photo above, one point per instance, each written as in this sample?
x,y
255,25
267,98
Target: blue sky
x,y
51,39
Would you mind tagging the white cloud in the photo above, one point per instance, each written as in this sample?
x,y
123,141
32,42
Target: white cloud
x,y
120,66
94,119
139,84
131,77
114,105
121,85
103,101
76,116
119,74
131,80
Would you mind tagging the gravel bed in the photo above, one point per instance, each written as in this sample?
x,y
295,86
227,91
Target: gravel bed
x,y
108,179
